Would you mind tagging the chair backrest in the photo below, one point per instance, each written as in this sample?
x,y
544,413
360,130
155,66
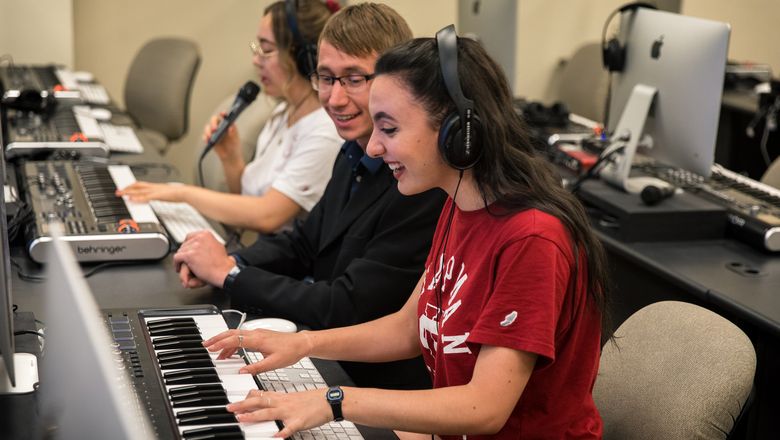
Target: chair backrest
x,y
159,84
249,125
772,175
674,371
582,83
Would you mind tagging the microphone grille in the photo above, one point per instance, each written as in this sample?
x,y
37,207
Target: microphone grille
x,y
249,91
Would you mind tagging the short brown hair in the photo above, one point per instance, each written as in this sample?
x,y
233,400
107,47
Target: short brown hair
x,y
365,29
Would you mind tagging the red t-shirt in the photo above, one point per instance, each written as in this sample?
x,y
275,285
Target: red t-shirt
x,y
506,282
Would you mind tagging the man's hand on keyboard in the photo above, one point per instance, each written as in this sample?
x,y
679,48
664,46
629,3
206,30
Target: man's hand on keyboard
x,y
297,411
202,258
142,192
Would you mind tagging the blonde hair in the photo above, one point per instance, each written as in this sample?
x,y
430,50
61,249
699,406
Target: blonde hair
x,y
366,29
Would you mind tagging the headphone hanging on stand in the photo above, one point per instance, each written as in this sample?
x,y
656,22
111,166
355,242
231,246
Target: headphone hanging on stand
x,y
305,52
613,54
458,141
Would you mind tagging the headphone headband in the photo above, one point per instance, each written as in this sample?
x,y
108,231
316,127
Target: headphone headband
x,y
447,42
305,52
459,132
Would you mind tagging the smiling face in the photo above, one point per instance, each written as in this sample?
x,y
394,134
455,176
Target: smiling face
x,y
404,138
349,111
272,74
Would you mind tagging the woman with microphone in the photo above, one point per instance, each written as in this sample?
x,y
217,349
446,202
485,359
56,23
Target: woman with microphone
x,y
295,149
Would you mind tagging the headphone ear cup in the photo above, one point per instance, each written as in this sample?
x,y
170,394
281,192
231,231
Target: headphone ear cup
x,y
306,60
614,56
452,142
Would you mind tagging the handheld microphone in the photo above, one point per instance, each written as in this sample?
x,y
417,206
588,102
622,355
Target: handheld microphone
x,y
246,94
652,195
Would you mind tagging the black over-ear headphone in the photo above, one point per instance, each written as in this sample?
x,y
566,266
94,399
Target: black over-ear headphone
x,y
613,54
305,52
459,133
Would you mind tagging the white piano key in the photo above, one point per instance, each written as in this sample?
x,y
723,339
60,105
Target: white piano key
x,y
88,125
123,176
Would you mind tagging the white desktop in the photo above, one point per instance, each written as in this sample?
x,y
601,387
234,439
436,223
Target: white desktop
x,y
667,98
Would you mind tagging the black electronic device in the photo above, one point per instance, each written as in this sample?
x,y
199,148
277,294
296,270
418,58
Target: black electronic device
x,y
652,195
613,54
305,51
99,226
459,135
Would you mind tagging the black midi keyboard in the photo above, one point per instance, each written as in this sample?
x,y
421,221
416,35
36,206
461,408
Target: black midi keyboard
x,y
184,388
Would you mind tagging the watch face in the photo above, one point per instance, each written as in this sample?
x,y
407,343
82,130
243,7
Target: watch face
x,y
335,394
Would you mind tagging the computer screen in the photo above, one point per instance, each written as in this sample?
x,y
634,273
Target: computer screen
x,y
85,389
6,298
669,89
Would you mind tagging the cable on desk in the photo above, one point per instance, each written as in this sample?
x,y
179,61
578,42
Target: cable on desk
x,y
29,332
24,275
20,219
593,171
39,278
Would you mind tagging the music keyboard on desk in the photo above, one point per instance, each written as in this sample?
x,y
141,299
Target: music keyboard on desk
x,y
99,226
753,207
187,388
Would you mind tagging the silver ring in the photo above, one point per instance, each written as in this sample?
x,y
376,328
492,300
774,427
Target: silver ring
x,y
241,340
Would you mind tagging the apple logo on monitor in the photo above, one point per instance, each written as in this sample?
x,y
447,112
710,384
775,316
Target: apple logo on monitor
x,y
655,50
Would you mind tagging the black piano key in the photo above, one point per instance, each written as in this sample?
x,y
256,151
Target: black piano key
x,y
183,351
201,401
172,374
172,324
202,411
167,321
207,419
213,432
193,379
183,356
186,363
177,343
169,331
190,388
198,393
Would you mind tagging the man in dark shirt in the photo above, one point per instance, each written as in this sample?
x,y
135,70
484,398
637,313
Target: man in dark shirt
x,y
362,248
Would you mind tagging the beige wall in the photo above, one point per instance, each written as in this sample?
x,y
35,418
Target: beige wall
x,y
37,32
105,34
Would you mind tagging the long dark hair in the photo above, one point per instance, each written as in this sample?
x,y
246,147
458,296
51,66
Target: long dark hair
x,y
509,171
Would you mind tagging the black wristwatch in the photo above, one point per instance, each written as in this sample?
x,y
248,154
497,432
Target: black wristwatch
x,y
335,396
231,277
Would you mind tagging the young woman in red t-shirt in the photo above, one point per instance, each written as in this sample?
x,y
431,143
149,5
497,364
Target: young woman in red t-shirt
x,y
508,313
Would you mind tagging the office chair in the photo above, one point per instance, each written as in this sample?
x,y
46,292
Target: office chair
x,y
582,82
158,88
771,176
674,371
249,125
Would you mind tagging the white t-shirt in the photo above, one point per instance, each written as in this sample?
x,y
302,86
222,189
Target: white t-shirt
x,y
296,161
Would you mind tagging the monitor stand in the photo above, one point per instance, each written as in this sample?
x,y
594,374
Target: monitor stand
x,y
627,135
26,372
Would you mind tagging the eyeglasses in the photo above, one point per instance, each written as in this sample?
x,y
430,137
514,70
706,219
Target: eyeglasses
x,y
258,50
351,83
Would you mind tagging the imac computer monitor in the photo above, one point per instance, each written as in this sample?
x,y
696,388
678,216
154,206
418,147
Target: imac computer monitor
x,y
6,298
667,97
85,389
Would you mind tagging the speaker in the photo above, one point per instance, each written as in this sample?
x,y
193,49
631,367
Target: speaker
x,y
613,54
459,142
305,52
